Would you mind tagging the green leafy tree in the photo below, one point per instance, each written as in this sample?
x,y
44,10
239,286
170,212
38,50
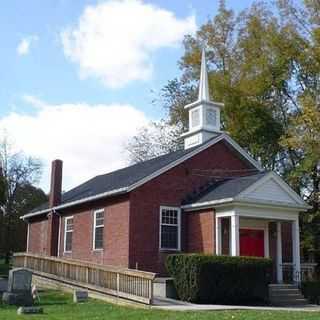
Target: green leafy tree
x,y
19,174
264,64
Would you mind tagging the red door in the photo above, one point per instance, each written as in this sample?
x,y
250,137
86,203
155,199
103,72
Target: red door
x,y
251,243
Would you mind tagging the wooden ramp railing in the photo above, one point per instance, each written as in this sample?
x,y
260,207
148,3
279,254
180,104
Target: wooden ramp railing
x,y
125,283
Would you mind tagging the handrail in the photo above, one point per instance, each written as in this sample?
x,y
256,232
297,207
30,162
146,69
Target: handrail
x,y
130,284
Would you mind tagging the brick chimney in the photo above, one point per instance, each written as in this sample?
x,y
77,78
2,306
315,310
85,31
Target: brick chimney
x,y
54,200
56,183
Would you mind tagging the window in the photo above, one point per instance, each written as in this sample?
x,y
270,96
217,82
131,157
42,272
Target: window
x,y
98,227
169,228
68,231
195,118
211,117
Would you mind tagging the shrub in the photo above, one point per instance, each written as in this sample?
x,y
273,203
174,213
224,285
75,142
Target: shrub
x,y
311,291
220,279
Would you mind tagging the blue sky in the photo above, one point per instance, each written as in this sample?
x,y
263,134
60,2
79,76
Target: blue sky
x,y
49,71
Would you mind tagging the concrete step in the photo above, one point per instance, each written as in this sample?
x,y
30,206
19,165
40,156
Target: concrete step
x,y
285,298
284,292
286,303
286,295
282,286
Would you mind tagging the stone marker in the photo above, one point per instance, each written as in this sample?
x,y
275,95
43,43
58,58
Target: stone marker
x,y
19,288
29,310
80,296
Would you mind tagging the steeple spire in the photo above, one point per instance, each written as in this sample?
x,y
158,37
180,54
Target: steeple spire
x,y
203,85
204,114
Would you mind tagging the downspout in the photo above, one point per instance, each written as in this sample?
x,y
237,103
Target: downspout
x,y
28,234
59,232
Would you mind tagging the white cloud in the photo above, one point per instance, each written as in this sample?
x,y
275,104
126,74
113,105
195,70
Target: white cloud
x,y
114,40
23,47
88,138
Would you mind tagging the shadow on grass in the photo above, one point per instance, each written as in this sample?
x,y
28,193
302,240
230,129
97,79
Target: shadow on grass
x,y
50,298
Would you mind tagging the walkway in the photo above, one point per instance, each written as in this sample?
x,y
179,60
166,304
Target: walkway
x,y
176,305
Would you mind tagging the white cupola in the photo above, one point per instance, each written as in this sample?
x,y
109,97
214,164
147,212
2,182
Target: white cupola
x,y
204,115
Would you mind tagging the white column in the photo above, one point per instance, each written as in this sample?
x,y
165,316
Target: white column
x,y
266,241
235,248
28,235
218,236
296,250
279,254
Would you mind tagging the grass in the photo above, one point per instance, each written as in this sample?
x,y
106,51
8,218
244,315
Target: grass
x,y
4,269
58,305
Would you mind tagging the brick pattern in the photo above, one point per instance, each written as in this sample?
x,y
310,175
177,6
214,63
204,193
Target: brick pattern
x,y
131,233
38,237
201,231
169,189
116,235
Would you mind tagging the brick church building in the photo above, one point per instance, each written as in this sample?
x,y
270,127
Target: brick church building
x,y
210,197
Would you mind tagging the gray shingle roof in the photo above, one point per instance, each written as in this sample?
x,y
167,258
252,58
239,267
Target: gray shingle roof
x,y
118,179
227,188
127,177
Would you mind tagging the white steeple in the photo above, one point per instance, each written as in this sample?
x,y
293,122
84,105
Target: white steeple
x,y
203,85
204,114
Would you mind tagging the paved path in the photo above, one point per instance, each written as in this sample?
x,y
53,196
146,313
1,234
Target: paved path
x,y
176,305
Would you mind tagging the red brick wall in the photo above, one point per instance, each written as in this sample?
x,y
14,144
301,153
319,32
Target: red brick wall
x,y
201,231
131,230
169,189
116,233
38,236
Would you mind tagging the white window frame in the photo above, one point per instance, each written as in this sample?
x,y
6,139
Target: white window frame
x,y
94,230
65,234
178,209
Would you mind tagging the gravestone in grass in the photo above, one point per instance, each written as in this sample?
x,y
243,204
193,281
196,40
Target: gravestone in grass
x,y
80,296
19,288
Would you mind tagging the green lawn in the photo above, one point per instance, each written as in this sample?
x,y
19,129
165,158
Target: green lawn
x,y
58,305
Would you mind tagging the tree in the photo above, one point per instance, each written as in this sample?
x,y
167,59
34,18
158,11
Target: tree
x,y
264,64
20,173
152,141
304,136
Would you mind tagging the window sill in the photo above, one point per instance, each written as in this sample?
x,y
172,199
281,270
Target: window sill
x,y
97,250
169,250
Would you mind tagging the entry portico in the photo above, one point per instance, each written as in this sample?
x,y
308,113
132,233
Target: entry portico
x,y
245,208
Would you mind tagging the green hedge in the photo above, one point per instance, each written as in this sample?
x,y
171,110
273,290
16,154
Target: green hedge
x,y
311,291
220,279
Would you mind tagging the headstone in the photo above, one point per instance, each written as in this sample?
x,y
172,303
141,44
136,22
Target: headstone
x,y
19,288
29,310
80,296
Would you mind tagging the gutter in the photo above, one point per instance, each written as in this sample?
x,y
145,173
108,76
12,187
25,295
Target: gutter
x,y
206,204
243,201
73,203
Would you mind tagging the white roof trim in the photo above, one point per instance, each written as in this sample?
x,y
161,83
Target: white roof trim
x,y
240,202
69,204
206,204
155,174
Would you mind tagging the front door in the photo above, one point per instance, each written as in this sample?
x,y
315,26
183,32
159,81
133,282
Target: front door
x,y
251,243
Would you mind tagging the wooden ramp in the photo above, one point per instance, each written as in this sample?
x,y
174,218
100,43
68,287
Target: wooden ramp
x,y
119,282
